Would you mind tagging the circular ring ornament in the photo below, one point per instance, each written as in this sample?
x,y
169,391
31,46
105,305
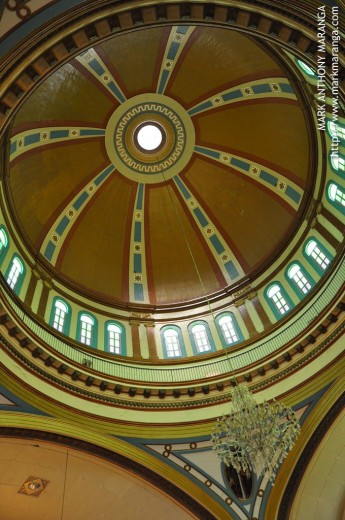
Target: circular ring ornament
x,y
165,160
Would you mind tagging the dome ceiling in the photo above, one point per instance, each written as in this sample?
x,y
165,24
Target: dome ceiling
x,y
222,189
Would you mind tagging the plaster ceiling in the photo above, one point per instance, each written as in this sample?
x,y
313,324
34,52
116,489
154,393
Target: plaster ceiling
x,y
225,193
321,494
79,486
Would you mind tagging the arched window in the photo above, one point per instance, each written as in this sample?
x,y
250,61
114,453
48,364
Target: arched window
x,y
172,341
338,162
316,255
336,196
308,70
300,279
278,299
3,241
336,130
87,329
60,315
114,338
200,338
15,274
228,328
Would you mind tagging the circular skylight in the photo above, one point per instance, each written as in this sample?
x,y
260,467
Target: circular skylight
x,y
149,137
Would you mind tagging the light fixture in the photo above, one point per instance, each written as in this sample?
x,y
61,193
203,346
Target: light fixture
x,y
255,437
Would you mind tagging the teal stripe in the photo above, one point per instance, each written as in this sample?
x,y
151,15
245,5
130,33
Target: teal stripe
x,y
286,87
56,134
182,187
31,139
231,269
261,89
48,253
293,194
200,216
116,91
138,292
140,197
137,263
163,81
96,66
91,131
217,244
200,108
137,231
103,175
211,153
240,164
62,225
182,29
228,96
267,177
174,47
13,147
80,200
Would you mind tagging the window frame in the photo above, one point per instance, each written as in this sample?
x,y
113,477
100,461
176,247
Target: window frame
x,y
20,279
315,265
94,331
337,171
67,321
195,347
294,284
329,122
123,346
335,203
4,249
181,341
237,328
278,315
302,65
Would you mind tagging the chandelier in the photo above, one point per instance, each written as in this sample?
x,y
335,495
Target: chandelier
x,y
255,437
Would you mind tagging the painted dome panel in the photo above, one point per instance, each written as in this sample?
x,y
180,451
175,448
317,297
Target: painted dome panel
x,y
222,190
137,56
67,95
95,251
40,196
248,206
271,133
171,232
211,63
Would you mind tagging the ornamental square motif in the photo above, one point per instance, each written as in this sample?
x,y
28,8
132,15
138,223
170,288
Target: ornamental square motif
x,y
217,101
247,91
168,161
275,87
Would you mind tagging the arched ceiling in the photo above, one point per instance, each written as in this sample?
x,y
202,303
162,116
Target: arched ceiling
x,y
74,484
224,192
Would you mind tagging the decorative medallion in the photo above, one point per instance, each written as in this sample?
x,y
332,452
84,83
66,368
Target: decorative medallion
x,y
33,486
150,138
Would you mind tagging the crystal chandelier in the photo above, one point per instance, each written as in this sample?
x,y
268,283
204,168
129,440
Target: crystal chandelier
x,y
255,437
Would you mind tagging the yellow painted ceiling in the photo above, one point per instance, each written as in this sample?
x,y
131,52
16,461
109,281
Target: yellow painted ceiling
x,y
232,218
